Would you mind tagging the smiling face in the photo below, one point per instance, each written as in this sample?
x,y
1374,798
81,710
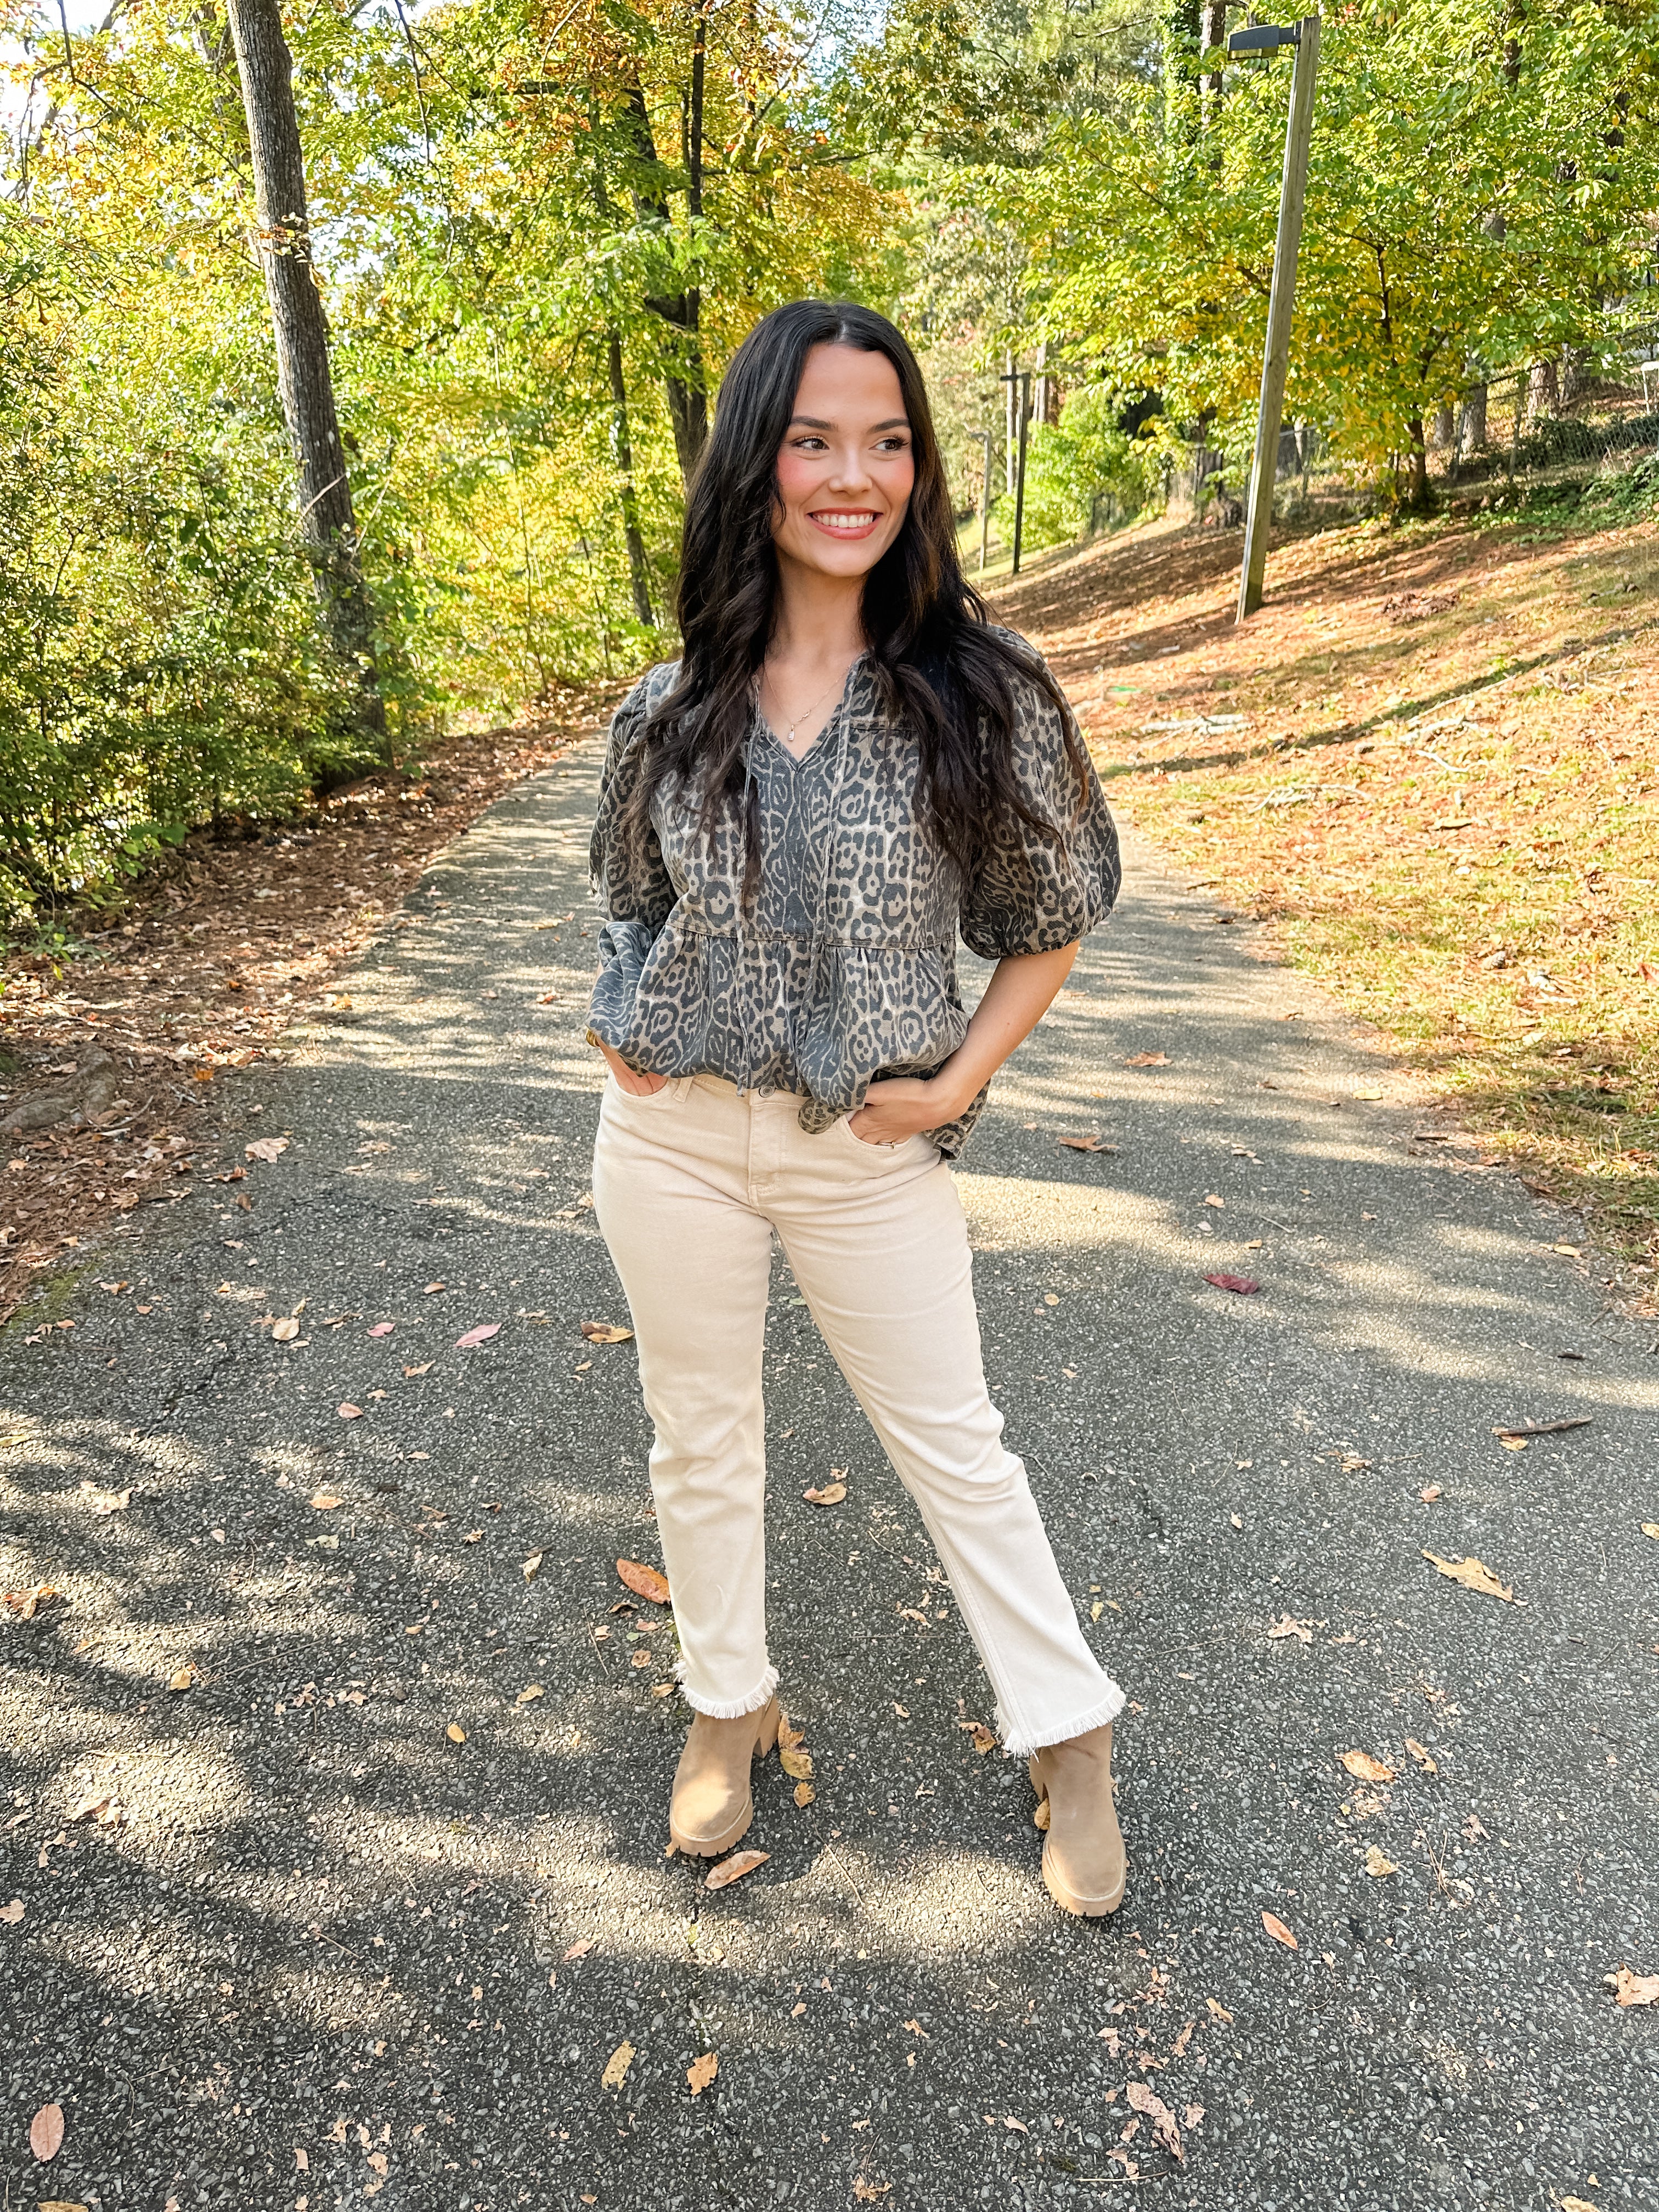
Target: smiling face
x,y
845,468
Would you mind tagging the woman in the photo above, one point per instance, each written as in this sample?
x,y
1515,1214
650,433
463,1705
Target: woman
x,y
847,764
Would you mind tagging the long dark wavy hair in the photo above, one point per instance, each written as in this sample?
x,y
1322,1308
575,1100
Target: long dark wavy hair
x,y
939,666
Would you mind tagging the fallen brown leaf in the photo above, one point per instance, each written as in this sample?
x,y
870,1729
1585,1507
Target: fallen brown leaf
x,y
581,1950
181,1678
59,2204
455,1732
1086,1145
1430,1492
266,1148
1364,1768
701,2071
789,1736
1218,2010
804,1794
1285,1626
348,1412
528,1696
382,1328
12,1913
616,2066
1379,1864
644,1581
1244,1286
473,1337
284,1331
984,1740
533,1567
831,1494
1040,1818
1148,2103
1147,1060
1280,1934
1473,1574
425,1369
1650,1529
1629,1988
871,2192
26,1603
606,1332
325,1501
46,2132
797,1764
1421,1756
735,1868
1193,2119
640,1657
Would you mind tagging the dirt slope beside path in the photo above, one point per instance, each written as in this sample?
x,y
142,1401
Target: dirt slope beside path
x,y
375,1900
1427,764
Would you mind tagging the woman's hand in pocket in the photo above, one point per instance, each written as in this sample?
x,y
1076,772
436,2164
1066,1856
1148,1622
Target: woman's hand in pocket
x,y
637,1085
902,1107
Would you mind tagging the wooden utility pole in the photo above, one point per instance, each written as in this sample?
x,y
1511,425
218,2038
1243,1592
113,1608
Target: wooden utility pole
x,y
1019,383
303,378
1276,353
985,501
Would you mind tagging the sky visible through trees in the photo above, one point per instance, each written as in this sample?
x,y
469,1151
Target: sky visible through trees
x,y
537,232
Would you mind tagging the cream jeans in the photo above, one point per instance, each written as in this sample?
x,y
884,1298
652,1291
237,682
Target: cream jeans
x,y
688,1185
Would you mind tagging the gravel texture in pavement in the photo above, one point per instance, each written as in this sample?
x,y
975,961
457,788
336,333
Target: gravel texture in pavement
x,y
336,1763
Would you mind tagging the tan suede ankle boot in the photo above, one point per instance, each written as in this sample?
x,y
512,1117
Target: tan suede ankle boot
x,y
1083,1858
712,1807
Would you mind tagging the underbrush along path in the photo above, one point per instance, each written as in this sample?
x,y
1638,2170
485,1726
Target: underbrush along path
x,y
376,1897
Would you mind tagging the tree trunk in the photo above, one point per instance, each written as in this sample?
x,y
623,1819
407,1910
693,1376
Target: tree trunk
x,y
682,367
1472,423
1212,33
1418,497
300,330
1543,392
621,451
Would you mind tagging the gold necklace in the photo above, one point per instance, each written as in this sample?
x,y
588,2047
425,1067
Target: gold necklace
x,y
795,720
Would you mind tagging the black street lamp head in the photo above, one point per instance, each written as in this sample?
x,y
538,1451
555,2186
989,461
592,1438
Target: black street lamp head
x,y
1263,38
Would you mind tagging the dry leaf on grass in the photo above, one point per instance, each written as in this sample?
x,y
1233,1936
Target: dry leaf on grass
x,y
1243,1286
481,1334
644,1581
1364,1768
1152,2107
1303,1630
804,1794
831,1494
12,1913
735,1868
266,1148
701,2071
606,1332
1379,1864
1147,1060
797,1764
1280,1934
1423,1758
46,2132
1473,1574
616,2066
1630,1989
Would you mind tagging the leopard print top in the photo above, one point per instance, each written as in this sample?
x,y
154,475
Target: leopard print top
x,y
843,968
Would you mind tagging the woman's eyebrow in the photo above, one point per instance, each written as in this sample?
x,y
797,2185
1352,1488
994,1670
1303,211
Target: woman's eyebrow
x,y
812,422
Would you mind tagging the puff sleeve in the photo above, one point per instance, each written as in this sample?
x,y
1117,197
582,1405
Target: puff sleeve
x,y
1035,894
635,895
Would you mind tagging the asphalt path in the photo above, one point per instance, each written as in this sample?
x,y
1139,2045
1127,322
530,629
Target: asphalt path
x,y
367,1907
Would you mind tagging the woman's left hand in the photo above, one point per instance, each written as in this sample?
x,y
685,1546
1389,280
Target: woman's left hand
x,y
902,1107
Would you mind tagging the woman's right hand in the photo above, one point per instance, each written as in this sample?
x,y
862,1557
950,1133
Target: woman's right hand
x,y
638,1086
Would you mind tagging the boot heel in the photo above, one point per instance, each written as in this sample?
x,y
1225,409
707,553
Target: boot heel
x,y
766,1736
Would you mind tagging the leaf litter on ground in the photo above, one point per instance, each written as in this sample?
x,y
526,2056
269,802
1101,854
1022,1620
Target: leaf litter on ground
x,y
645,1582
735,1868
1473,1574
